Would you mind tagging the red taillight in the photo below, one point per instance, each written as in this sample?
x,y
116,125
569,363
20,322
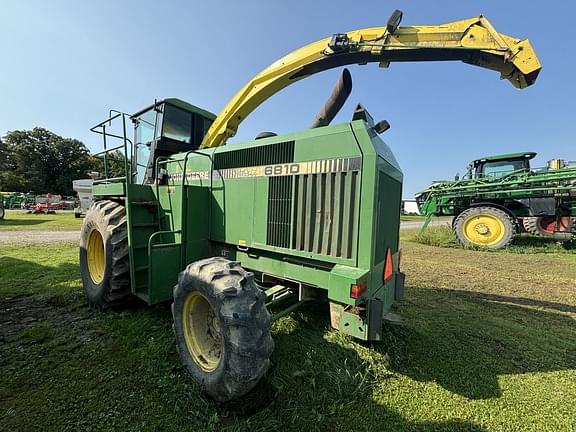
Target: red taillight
x,y
357,289
388,267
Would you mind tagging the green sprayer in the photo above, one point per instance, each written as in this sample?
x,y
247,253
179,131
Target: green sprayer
x,y
501,196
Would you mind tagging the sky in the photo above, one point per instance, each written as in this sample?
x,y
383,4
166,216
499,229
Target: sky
x,y
64,64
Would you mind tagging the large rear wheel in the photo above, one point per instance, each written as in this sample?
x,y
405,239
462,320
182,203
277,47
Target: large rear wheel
x,y
2,213
545,225
484,227
104,265
222,327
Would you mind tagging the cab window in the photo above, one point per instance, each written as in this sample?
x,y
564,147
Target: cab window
x,y
145,128
177,124
501,168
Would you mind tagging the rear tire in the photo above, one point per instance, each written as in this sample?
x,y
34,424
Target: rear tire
x,y
222,327
2,213
104,264
484,227
545,225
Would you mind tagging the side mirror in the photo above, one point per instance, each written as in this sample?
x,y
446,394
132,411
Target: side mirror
x,y
381,126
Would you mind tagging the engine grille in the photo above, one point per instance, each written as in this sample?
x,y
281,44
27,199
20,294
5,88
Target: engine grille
x,y
279,211
315,211
324,213
282,152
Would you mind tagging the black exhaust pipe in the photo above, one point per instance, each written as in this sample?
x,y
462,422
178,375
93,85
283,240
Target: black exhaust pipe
x,y
337,99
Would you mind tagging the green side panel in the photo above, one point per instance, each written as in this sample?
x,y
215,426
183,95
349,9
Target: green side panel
x,y
164,269
109,189
197,223
164,246
260,212
232,207
380,212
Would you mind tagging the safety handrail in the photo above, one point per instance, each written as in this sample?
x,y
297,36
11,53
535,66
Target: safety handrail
x,y
100,129
184,203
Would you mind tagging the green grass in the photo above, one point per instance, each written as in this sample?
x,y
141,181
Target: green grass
x,y
16,220
489,345
407,218
418,218
443,236
433,236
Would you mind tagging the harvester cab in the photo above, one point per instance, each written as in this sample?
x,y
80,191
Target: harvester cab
x,y
500,165
163,129
239,236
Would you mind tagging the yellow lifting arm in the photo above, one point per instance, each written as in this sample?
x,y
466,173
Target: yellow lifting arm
x,y
473,41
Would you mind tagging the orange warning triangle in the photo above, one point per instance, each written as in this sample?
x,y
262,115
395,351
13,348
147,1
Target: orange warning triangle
x,y
388,267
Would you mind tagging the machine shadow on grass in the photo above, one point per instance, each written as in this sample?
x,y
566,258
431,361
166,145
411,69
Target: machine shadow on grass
x,y
22,277
465,340
21,222
528,243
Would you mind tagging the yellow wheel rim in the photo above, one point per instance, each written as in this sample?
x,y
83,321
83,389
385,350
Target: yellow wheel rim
x,y
484,229
202,332
95,257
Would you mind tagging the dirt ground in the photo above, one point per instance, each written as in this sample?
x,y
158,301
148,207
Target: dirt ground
x,y
22,313
38,236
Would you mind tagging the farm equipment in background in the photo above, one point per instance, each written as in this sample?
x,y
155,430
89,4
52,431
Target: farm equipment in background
x,y
46,207
48,204
501,196
83,188
239,236
17,200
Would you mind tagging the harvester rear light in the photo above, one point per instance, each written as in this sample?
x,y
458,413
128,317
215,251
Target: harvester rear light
x,y
357,289
388,267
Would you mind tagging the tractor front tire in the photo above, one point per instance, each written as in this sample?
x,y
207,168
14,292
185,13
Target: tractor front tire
x,y
2,213
222,327
484,227
104,264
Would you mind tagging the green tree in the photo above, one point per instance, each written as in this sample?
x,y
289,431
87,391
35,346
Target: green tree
x,y
115,164
40,161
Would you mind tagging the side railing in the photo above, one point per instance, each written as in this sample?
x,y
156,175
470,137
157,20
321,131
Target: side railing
x,y
126,146
163,161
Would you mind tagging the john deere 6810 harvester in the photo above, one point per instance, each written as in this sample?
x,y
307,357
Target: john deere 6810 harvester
x,y
238,236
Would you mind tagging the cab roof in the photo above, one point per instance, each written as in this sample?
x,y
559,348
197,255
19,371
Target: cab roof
x,y
506,156
180,104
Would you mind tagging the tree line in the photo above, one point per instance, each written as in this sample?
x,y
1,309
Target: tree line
x,y
39,161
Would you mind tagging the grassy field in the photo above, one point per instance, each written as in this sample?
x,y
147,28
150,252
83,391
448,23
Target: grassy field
x,y
489,345
415,218
59,221
18,220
